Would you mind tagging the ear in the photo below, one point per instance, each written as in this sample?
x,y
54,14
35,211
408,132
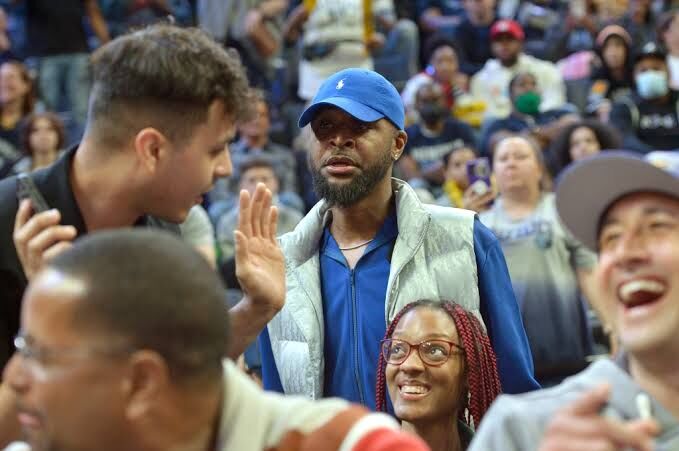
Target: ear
x,y
400,140
148,379
151,148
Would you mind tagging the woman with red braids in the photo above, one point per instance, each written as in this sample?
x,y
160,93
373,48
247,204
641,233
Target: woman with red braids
x,y
440,372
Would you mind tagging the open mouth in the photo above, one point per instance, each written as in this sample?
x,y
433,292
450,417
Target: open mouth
x,y
413,390
641,292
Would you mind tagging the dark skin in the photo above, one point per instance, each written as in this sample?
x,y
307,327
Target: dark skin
x,y
336,132
506,48
431,93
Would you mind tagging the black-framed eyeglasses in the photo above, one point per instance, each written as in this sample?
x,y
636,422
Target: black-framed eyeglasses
x,y
431,352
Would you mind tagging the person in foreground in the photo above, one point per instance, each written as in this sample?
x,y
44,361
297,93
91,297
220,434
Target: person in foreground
x,y
632,401
163,108
370,247
440,373
140,365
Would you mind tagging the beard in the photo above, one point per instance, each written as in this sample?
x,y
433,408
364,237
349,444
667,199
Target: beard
x,y
348,194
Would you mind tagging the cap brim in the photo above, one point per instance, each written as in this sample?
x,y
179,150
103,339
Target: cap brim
x,y
588,188
356,109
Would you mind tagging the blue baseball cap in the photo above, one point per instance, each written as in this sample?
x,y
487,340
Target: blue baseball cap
x,y
588,188
362,93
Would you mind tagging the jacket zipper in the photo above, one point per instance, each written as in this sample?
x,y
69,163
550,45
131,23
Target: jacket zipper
x,y
354,314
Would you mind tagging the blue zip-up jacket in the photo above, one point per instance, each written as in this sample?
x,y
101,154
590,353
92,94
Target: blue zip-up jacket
x,y
500,319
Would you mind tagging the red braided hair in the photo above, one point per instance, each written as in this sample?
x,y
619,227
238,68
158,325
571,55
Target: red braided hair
x,y
480,364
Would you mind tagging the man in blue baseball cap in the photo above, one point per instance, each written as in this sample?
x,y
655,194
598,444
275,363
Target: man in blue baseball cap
x,y
369,247
627,209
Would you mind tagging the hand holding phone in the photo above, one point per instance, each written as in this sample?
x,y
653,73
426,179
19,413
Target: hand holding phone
x,y
37,233
478,173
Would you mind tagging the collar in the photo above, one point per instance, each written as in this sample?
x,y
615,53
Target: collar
x,y
386,234
411,218
54,182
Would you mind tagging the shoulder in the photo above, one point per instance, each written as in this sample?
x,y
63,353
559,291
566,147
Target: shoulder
x,y
517,422
450,214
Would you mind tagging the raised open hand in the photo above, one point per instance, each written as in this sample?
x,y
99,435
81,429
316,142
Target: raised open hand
x,y
260,265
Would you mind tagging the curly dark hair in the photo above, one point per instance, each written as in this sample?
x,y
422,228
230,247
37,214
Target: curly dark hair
x,y
483,381
559,155
165,77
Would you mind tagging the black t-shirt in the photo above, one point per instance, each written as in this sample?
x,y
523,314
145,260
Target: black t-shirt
x,y
648,125
54,184
55,27
427,149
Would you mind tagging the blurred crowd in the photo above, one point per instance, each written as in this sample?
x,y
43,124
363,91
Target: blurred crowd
x,y
500,97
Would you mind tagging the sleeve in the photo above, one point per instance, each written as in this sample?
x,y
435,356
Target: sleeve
x,y
506,427
621,119
501,315
270,378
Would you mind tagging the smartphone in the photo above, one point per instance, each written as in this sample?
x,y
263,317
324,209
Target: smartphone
x,y
26,189
478,173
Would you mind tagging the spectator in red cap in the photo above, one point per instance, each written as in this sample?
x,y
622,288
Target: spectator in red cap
x,y
491,83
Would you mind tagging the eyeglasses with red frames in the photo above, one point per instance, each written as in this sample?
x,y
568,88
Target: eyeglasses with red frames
x,y
431,352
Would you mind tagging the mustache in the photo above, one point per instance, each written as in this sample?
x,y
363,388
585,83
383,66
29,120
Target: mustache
x,y
340,157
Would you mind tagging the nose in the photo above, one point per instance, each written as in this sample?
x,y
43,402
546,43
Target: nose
x,y
16,375
631,251
343,139
413,363
224,167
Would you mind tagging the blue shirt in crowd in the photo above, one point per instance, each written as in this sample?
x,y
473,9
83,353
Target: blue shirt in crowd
x,y
353,312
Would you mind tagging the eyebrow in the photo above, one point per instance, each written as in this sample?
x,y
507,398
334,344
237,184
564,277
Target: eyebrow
x,y
647,211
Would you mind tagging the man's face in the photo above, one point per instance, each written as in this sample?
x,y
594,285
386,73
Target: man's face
x,y
431,94
259,174
650,63
639,271
348,157
68,388
188,172
260,124
506,48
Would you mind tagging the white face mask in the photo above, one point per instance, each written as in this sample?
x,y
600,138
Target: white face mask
x,y
652,84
